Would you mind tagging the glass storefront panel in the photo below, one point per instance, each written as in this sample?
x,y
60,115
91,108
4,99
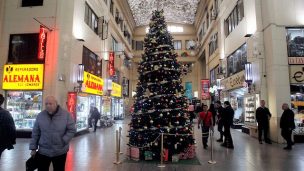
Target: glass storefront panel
x,y
117,108
83,110
24,107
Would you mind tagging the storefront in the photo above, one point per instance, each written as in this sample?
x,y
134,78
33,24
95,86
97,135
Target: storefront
x,y
23,85
79,103
297,99
117,103
234,92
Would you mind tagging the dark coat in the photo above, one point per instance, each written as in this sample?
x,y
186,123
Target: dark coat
x,y
220,112
228,114
287,120
95,114
7,130
262,116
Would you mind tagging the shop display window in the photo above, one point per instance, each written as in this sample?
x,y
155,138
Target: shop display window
x,y
297,105
251,103
83,110
295,42
24,107
117,108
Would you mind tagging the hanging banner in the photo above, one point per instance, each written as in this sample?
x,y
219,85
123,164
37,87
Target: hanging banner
x,y
92,84
116,90
23,77
111,64
205,89
188,92
42,43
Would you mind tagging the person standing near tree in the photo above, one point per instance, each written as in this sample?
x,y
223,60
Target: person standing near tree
x,y
262,116
287,125
53,130
206,122
7,129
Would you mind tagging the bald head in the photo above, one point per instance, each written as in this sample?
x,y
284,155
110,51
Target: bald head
x,y
285,106
51,104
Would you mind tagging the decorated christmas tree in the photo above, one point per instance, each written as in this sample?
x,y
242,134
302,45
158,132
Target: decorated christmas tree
x,y
160,106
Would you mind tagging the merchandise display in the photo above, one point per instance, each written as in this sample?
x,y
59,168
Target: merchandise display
x,y
160,104
83,110
251,104
24,107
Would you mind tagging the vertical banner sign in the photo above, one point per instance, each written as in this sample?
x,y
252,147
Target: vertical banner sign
x,y
42,43
71,104
188,86
111,64
205,89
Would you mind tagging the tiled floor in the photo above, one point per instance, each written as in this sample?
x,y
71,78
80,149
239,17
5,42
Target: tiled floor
x,y
95,152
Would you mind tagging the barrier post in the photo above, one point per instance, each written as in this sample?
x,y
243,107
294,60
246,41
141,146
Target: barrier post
x,y
162,151
211,161
119,141
117,148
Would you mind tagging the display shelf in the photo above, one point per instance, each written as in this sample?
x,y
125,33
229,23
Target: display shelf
x,y
24,107
251,102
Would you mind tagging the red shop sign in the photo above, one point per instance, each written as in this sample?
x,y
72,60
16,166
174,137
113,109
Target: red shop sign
x,y
111,64
42,43
205,89
71,104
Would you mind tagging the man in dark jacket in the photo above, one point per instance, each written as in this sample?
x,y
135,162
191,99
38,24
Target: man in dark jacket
x,y
53,130
287,125
220,124
95,115
262,116
228,121
7,129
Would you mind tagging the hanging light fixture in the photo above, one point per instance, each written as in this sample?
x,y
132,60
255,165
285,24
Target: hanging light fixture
x,y
80,73
248,72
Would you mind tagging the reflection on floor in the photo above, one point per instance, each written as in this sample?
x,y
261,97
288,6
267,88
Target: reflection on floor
x,y
95,152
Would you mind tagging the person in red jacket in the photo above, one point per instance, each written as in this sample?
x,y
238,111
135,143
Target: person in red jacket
x,y
206,122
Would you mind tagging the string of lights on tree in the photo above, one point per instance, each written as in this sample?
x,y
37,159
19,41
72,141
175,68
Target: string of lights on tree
x,y
160,106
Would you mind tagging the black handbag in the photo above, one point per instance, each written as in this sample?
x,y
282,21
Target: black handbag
x,y
32,163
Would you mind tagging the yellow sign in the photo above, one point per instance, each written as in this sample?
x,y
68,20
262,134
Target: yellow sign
x,y
116,90
92,84
23,77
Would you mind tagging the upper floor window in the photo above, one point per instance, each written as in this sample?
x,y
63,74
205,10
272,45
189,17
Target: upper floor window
x,y
91,18
200,35
234,18
91,63
31,3
139,45
177,44
295,42
23,48
213,44
112,7
213,74
237,60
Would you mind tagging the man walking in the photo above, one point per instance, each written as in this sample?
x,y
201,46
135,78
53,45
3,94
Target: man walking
x,y
228,121
53,130
287,125
206,121
7,129
262,116
220,124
